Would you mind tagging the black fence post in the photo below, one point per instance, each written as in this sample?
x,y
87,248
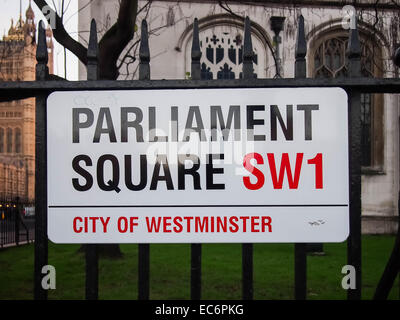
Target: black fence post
x,y
11,225
41,241
354,240
91,250
247,248
2,224
195,272
300,249
144,248
17,220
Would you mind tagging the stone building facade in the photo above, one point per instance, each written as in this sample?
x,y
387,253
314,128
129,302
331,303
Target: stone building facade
x,y
17,118
221,39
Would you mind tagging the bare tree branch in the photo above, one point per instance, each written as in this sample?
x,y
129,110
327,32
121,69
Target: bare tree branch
x,y
128,55
116,39
62,36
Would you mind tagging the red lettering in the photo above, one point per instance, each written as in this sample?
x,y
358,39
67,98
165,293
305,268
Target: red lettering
x,y
76,229
153,225
244,219
285,166
254,224
256,172
166,224
132,223
178,224
105,223
188,219
86,225
221,223
318,170
234,226
203,227
94,219
266,222
124,221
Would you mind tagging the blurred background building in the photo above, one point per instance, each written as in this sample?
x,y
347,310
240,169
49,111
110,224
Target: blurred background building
x,y
17,118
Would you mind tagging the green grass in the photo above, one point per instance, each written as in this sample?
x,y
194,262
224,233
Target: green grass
x,y
221,271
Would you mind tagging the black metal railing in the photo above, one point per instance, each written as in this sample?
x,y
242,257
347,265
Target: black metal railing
x,y
13,224
42,87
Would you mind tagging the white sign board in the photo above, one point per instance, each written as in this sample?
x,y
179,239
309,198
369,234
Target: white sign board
x,y
198,165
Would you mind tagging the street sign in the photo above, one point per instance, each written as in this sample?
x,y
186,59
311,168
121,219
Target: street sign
x,y
198,165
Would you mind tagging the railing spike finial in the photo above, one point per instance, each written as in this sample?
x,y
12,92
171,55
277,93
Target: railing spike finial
x,y
41,51
301,44
354,52
42,56
300,51
247,51
92,53
144,53
396,57
93,45
354,47
196,53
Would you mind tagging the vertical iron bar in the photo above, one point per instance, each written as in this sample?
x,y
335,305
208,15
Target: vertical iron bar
x,y
354,240
41,242
300,253
16,214
195,275
11,227
91,250
144,271
5,224
2,222
92,272
144,248
8,227
247,248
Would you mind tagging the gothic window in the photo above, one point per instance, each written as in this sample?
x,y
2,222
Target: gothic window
x,y
1,140
9,140
222,50
18,140
329,60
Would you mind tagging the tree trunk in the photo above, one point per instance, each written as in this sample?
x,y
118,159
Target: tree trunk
x,y
108,251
